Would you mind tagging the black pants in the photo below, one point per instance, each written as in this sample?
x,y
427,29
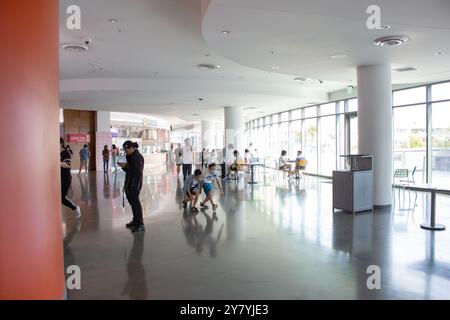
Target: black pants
x,y
187,170
223,170
136,207
65,185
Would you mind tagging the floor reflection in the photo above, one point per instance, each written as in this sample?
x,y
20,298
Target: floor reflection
x,y
278,239
136,286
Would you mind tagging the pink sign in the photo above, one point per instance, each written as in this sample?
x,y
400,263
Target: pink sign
x,y
78,138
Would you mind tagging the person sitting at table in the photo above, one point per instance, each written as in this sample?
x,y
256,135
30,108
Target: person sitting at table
x,y
300,163
283,165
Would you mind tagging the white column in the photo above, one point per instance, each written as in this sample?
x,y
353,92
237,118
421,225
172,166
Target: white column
x,y
375,126
208,135
234,128
102,136
219,135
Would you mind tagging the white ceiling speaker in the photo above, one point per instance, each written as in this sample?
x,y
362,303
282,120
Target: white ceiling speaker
x,y
391,41
76,48
209,66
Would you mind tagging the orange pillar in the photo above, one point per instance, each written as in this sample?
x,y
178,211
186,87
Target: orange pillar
x,y
31,249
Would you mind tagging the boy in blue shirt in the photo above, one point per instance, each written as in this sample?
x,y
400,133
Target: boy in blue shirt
x,y
192,189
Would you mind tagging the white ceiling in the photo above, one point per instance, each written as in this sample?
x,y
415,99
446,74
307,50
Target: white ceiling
x,y
304,34
149,57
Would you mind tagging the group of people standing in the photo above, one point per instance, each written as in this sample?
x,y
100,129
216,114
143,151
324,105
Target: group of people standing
x,y
107,155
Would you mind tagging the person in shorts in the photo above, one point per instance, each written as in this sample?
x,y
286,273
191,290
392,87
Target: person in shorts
x,y
192,189
209,176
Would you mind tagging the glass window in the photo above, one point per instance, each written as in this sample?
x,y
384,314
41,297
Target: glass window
x,y
264,149
353,135
284,136
440,91
310,149
296,138
267,121
327,155
352,105
340,107
410,96
410,140
341,138
311,112
296,114
285,116
327,109
441,143
274,138
275,118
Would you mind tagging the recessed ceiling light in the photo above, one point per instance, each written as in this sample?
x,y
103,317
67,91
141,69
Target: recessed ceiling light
x,y
226,32
386,26
75,48
208,66
113,20
405,69
339,56
275,68
300,79
391,41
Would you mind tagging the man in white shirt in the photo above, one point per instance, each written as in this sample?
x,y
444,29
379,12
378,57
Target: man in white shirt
x,y
188,159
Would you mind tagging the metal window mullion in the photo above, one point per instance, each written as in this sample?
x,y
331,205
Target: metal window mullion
x,y
429,131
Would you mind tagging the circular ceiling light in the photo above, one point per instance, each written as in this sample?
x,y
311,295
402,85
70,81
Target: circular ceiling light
x,y
275,68
391,41
209,66
75,48
226,32
113,20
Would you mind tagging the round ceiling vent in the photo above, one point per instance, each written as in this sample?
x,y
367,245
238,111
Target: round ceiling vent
x,y
75,48
390,41
208,66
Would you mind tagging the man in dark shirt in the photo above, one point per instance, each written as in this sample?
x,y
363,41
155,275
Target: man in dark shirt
x,y
134,169
66,177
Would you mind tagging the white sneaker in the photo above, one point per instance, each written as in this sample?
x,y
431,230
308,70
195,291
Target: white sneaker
x,y
78,211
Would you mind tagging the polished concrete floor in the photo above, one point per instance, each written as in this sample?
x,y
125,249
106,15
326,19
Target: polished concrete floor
x,y
277,240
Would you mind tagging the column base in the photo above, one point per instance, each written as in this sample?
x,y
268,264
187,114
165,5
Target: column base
x,y
436,227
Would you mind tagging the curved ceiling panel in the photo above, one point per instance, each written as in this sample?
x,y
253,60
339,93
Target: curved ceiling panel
x,y
299,37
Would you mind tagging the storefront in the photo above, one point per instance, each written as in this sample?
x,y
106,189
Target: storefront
x,y
152,135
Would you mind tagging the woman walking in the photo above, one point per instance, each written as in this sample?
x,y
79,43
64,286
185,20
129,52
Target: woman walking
x,y
134,168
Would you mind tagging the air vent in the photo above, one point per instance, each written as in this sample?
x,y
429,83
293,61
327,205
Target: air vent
x,y
391,41
249,108
208,66
75,48
405,69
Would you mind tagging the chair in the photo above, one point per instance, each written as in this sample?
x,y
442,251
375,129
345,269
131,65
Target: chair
x,y
301,165
401,180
